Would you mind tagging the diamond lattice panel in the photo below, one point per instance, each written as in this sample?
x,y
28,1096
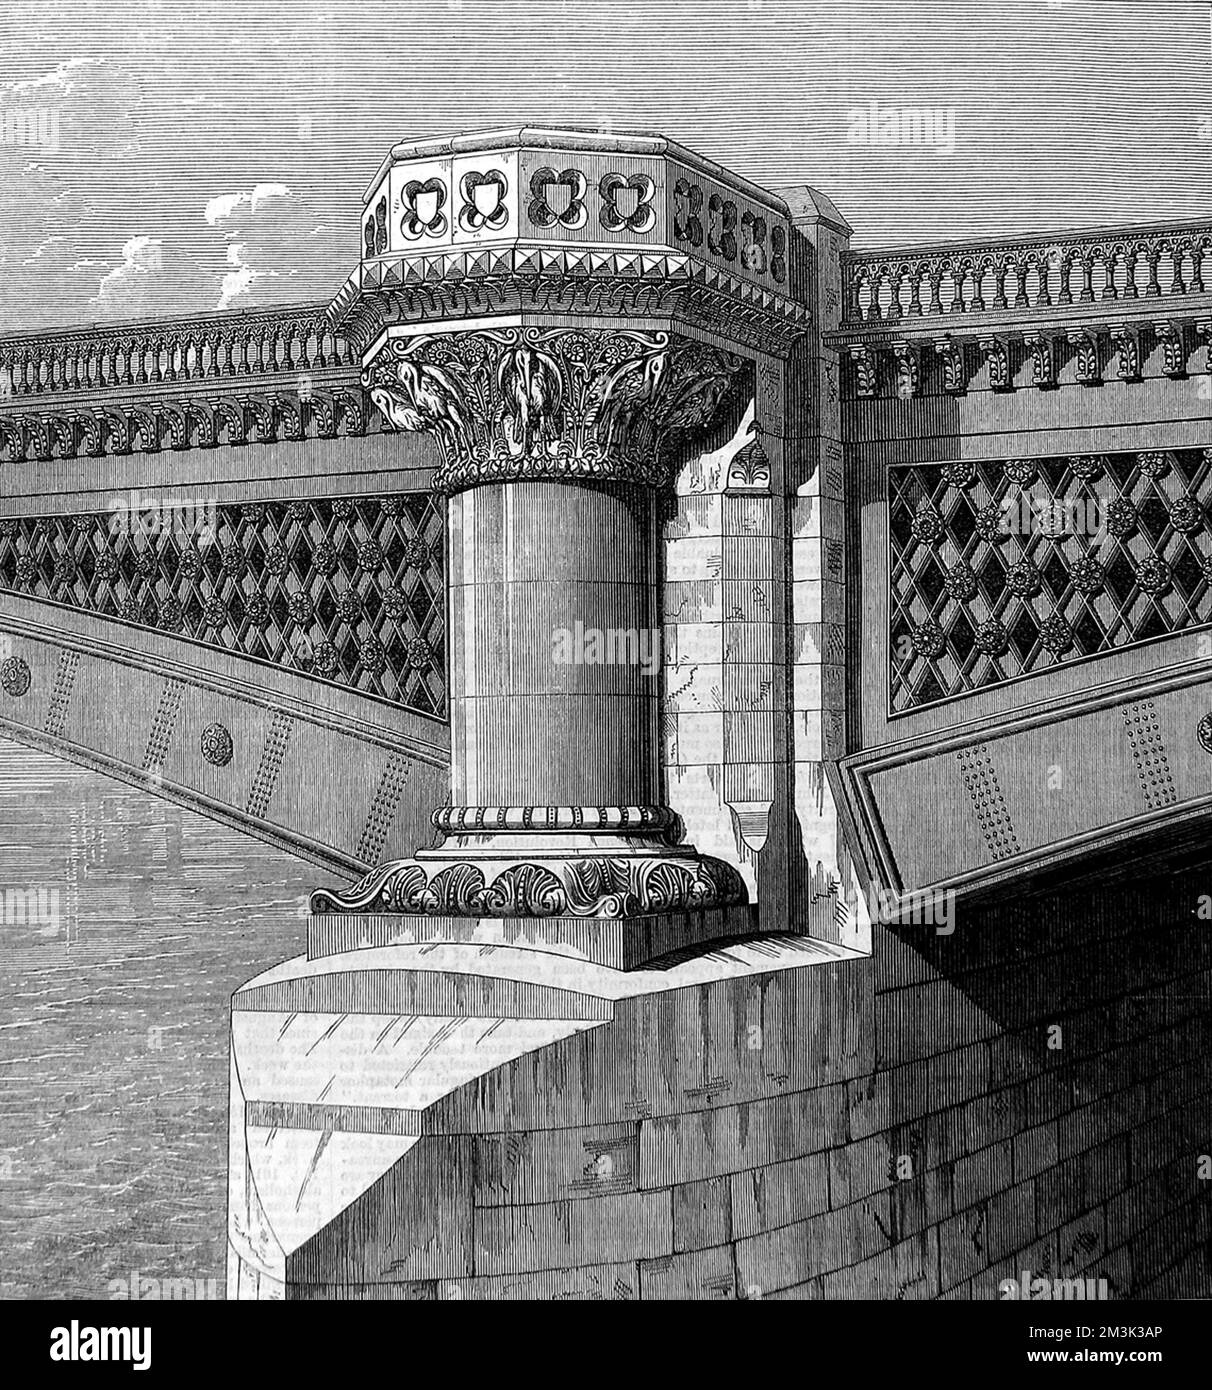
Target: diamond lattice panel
x,y
350,591
1005,569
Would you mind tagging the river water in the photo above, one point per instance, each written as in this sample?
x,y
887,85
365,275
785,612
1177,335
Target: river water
x,y
126,923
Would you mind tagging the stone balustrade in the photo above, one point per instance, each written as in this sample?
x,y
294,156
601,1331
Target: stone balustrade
x,y
196,348
1160,261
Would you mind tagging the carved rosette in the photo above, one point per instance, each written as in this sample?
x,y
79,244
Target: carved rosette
x,y
560,404
598,886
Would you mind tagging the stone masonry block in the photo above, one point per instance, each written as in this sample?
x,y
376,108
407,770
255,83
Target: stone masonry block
x,y
534,1166
696,1274
779,1194
561,1235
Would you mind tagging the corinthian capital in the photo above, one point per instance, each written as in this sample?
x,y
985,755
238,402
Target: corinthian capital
x,y
562,404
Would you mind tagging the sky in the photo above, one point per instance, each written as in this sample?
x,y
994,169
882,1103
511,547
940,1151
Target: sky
x,y
191,157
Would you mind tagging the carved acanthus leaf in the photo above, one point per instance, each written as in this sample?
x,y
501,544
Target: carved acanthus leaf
x,y
517,403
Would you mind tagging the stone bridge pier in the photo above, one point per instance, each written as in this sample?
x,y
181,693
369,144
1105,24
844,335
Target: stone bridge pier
x,y
626,1028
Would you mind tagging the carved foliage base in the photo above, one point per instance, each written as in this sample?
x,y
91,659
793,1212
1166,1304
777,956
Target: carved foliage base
x,y
583,886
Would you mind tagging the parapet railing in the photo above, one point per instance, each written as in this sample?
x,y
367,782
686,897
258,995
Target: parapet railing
x,y
195,348
1094,266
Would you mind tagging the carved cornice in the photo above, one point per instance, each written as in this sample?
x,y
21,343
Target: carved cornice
x,y
62,429
624,284
257,377
919,358
529,403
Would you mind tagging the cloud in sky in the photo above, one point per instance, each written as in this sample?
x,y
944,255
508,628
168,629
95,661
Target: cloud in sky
x,y
238,281
41,249
221,208
124,289
239,210
59,76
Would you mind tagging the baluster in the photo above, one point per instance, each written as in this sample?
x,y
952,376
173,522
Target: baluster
x,y
943,277
1196,283
1020,263
853,297
978,288
1000,270
1108,258
1064,294
962,302
894,293
1130,257
1085,263
1178,252
913,277
1152,256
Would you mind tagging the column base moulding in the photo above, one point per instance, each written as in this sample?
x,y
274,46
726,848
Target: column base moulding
x,y
617,897
589,883
622,943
